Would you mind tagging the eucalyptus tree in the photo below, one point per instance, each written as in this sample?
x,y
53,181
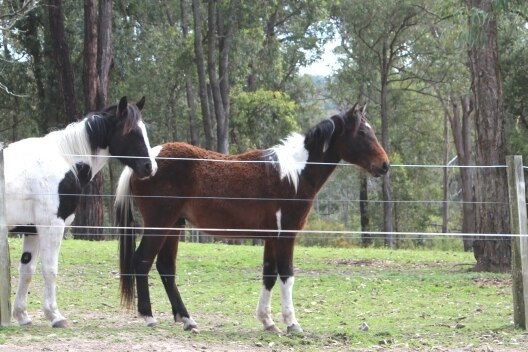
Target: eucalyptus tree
x,y
380,40
492,254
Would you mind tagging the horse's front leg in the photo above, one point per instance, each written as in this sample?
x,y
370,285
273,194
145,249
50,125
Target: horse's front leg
x,y
50,242
166,266
143,259
269,277
284,256
28,263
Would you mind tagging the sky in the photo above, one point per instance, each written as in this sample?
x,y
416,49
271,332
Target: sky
x,y
326,65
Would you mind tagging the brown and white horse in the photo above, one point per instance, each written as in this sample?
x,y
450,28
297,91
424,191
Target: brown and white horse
x,y
265,194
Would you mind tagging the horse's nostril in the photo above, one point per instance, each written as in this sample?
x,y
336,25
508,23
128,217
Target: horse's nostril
x,y
385,166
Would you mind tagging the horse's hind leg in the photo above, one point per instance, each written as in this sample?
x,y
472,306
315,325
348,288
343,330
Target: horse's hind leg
x,y
269,277
166,266
50,242
28,263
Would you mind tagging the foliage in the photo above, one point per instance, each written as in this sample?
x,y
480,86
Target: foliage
x,y
259,118
272,40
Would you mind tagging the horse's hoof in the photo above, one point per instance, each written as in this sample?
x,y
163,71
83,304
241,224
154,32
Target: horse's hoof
x,y
190,327
150,321
60,324
27,323
295,329
273,329
189,324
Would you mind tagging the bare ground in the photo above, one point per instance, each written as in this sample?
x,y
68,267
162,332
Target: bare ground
x,y
121,333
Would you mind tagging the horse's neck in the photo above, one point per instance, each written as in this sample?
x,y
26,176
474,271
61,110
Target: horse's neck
x,y
74,145
318,170
100,160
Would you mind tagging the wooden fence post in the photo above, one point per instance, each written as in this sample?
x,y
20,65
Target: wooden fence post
x,y
5,264
518,222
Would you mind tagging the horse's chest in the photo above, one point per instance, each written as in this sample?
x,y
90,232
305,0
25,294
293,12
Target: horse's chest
x,y
70,189
38,187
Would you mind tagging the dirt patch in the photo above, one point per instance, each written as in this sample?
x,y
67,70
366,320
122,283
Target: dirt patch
x,y
487,282
360,262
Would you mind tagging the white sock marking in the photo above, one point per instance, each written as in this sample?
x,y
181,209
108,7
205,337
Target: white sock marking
x,y
288,311
264,308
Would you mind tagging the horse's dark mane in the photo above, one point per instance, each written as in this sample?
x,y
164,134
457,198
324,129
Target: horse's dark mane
x,y
318,138
133,115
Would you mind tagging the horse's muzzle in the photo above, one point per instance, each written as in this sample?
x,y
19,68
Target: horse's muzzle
x,y
380,170
146,169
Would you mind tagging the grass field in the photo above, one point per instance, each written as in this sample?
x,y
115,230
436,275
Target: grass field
x,y
410,300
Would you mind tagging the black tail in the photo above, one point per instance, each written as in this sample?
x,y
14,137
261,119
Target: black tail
x,y
127,238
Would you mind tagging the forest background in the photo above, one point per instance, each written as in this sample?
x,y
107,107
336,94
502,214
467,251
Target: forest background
x,y
445,84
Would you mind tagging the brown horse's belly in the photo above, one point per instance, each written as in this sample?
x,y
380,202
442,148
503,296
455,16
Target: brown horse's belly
x,y
232,218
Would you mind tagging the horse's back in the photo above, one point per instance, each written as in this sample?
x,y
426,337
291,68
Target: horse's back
x,y
212,190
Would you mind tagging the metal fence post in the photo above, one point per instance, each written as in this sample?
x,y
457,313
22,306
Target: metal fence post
x,y
5,264
518,222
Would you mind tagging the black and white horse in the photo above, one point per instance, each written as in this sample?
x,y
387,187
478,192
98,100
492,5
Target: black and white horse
x,y
44,178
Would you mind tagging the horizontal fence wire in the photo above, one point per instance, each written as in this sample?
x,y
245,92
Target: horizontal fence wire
x,y
432,201
166,231
284,233
235,161
287,199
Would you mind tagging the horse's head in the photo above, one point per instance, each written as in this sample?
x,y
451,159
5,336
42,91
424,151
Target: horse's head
x,y
357,143
128,139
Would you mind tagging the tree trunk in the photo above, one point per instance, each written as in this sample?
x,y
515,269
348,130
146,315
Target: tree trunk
x,y
29,28
492,253
61,54
200,69
104,51
461,130
90,55
189,85
97,63
445,207
219,110
366,237
388,205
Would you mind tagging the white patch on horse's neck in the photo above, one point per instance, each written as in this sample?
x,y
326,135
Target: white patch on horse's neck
x,y
152,154
74,146
291,157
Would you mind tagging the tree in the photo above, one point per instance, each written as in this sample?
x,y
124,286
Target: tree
x,y
10,14
200,69
61,54
492,254
97,64
461,120
383,30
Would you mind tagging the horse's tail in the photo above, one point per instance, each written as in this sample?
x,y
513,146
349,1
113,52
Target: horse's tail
x,y
127,238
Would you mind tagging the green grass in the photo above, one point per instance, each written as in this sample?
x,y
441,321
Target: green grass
x,y
409,300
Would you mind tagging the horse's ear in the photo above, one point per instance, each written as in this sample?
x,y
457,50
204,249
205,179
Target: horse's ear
x,y
364,110
122,107
353,118
141,103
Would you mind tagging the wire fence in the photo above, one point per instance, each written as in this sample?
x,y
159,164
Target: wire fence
x,y
112,230
349,233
